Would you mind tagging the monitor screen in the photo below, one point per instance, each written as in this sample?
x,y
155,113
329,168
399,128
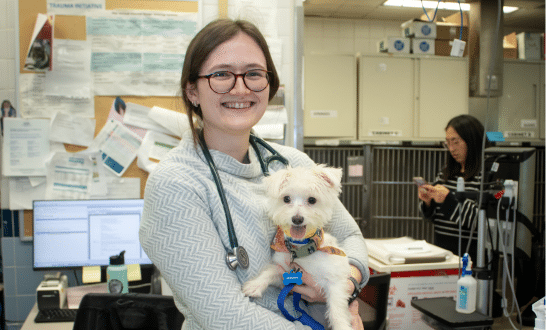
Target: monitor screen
x,y
77,233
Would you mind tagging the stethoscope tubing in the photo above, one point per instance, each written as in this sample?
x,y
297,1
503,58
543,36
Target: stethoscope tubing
x,y
275,156
239,255
229,222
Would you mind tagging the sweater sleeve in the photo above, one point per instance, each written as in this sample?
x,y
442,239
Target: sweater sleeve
x,y
179,236
346,230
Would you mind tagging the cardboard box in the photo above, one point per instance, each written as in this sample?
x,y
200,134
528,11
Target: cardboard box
x,y
423,46
448,31
443,48
456,19
394,45
510,46
529,46
416,281
419,29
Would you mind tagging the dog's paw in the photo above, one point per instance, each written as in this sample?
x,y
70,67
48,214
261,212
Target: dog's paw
x,y
254,288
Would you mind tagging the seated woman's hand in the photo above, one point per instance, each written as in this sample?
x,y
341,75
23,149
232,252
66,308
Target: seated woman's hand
x,y
439,193
424,193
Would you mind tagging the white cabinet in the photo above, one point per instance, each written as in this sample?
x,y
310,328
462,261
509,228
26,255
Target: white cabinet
x,y
521,106
443,94
410,97
386,97
330,96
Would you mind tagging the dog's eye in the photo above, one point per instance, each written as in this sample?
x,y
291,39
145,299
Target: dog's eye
x,y
312,200
286,199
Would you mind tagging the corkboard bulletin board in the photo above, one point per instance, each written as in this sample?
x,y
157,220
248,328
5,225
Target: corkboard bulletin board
x,y
73,27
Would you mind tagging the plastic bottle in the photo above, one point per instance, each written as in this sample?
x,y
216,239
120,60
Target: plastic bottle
x,y
539,307
466,289
116,274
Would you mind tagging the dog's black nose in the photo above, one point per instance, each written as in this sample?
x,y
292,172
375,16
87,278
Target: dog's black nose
x,y
297,219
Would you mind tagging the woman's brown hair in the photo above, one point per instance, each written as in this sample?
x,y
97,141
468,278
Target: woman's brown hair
x,y
211,36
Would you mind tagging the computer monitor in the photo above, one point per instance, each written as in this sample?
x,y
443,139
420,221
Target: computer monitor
x,y
77,233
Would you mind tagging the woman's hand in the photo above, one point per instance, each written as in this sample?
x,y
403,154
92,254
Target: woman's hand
x,y
309,289
438,193
356,321
310,292
424,193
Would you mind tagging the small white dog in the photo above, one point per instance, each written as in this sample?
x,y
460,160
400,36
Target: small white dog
x,y
300,202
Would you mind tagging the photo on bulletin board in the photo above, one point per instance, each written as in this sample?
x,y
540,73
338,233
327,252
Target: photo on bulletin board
x,y
7,111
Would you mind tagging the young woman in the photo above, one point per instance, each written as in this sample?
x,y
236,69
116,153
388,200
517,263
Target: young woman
x,y
227,80
464,138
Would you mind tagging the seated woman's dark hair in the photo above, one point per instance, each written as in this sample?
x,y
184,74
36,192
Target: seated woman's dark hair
x,y
472,132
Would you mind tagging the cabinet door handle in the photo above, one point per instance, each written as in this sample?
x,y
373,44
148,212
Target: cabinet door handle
x,y
535,101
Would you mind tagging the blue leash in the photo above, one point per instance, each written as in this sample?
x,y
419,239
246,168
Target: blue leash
x,y
305,319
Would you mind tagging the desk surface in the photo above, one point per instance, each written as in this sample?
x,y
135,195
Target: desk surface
x,y
443,310
30,325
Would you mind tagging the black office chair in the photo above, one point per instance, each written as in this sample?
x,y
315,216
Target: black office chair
x,y
137,311
373,300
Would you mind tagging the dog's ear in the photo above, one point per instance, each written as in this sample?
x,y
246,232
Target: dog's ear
x,y
331,175
275,182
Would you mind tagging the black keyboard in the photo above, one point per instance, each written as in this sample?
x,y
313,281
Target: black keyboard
x,y
56,315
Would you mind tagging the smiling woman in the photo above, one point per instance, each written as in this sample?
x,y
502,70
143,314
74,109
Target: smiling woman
x,y
215,174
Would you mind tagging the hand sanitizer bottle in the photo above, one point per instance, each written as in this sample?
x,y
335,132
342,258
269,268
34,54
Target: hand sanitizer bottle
x,y
116,274
466,289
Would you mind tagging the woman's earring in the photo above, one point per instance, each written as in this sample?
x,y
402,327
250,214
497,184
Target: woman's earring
x,y
195,105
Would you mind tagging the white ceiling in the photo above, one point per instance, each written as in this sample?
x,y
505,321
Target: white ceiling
x,y
530,16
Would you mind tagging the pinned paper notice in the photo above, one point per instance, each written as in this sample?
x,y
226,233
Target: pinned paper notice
x,y
133,273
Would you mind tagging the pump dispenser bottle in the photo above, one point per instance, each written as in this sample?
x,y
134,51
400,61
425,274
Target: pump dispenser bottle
x,y
466,289
116,274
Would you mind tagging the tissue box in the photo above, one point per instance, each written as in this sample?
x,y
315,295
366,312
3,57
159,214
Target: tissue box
x,y
419,29
394,45
423,46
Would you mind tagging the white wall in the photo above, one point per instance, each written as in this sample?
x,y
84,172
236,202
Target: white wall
x,y
7,49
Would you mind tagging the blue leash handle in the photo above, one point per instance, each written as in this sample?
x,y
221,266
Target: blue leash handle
x,y
305,319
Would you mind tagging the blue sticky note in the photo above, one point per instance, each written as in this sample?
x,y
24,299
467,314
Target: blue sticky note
x,y
292,278
495,136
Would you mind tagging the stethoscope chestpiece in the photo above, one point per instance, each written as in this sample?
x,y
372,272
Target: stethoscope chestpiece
x,y
238,257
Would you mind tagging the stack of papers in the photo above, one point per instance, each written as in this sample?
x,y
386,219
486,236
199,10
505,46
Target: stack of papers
x,y
405,250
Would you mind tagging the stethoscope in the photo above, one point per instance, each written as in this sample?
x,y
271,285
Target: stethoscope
x,y
239,256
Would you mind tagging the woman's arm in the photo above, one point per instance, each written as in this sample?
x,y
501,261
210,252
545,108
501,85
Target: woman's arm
x,y
182,240
350,238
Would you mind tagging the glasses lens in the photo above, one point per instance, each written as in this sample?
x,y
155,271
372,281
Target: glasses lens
x,y
222,81
256,80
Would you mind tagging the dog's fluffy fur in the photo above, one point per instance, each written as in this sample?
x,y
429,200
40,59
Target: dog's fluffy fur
x,y
300,201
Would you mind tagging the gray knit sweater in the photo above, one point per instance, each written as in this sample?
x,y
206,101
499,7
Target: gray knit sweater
x,y
184,233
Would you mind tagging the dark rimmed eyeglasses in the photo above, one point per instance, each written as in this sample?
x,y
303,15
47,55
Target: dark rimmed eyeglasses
x,y
222,82
452,142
